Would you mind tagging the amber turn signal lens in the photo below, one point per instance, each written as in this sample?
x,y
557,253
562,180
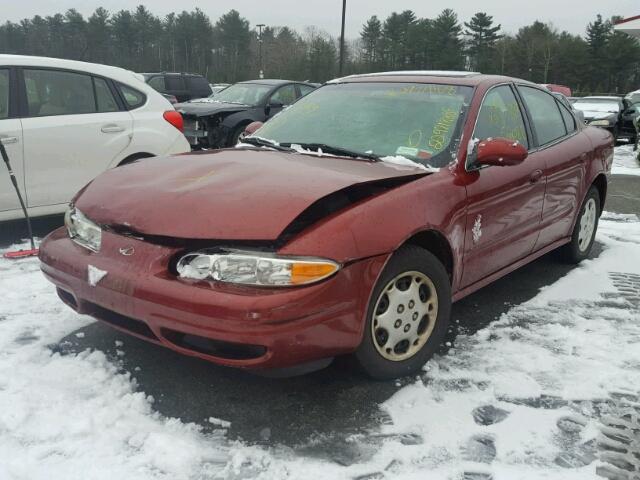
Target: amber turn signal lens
x,y
302,272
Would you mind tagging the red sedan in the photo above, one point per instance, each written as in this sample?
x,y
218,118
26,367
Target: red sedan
x,y
347,224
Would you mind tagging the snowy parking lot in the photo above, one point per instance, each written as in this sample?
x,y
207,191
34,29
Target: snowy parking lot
x,y
540,379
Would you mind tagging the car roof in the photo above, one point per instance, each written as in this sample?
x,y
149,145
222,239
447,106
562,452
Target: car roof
x,y
148,74
272,81
115,73
451,77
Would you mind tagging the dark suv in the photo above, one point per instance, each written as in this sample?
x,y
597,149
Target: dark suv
x,y
183,86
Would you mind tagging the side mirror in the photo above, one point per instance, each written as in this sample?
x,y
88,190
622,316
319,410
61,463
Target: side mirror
x,y
252,128
500,152
276,104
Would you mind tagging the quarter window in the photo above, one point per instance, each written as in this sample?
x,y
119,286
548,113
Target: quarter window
x,y
132,97
53,92
157,83
500,116
4,94
569,120
104,97
545,114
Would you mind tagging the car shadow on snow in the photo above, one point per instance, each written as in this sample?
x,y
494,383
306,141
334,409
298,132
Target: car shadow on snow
x,y
315,413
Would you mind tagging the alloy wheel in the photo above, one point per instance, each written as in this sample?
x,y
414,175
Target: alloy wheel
x,y
587,224
404,316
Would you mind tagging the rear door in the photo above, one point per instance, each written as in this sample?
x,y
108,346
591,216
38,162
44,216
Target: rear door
x,y
281,98
73,130
175,85
504,203
565,151
11,138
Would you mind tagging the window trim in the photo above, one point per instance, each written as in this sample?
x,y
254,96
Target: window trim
x,y
280,87
558,140
12,94
468,166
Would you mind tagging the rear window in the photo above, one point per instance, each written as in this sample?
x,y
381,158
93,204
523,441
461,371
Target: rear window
x,y
174,82
157,83
104,98
132,97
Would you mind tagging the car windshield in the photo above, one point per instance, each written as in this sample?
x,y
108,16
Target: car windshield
x,y
243,93
420,122
597,105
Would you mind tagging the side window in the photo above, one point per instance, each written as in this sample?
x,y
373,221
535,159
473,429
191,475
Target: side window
x,y
54,92
132,97
545,114
500,116
157,83
285,95
174,82
4,93
569,120
305,89
198,84
104,97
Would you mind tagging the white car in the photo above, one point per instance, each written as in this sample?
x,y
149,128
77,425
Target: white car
x,y
64,122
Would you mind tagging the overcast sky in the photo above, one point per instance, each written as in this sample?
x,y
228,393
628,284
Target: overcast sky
x,y
571,15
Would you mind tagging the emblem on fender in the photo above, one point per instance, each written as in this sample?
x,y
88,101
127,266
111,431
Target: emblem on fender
x,y
127,251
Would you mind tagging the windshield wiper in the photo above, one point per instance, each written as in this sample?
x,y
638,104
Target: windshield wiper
x,y
263,142
331,149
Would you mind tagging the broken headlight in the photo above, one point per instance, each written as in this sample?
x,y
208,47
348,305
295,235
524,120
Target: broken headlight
x,y
82,230
258,269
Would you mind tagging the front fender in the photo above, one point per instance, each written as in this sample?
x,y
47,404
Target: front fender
x,y
381,224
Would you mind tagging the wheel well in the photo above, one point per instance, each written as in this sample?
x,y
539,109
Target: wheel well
x,y
601,184
134,157
437,244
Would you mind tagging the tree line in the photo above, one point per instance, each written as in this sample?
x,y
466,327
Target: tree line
x,y
229,49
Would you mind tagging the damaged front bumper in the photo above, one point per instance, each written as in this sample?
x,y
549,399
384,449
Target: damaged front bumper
x,y
248,327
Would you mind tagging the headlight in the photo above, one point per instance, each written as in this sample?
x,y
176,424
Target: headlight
x,y
259,269
600,123
82,230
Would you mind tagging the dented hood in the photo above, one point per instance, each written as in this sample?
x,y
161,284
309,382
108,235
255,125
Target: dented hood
x,y
226,195
212,107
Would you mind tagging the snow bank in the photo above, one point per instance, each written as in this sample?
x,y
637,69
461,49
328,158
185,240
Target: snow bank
x,y
625,161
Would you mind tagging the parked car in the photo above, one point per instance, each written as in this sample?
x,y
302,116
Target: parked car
x,y
555,88
64,122
611,113
183,86
218,87
220,121
346,225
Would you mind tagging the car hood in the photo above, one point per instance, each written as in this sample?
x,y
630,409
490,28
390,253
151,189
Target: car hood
x,y
240,194
205,109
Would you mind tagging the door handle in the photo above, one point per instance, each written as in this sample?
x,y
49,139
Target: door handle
x,y
112,128
8,140
535,176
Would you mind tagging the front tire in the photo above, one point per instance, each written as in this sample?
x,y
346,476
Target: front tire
x,y
584,231
408,315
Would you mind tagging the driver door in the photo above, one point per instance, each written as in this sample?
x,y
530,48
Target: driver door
x,y
280,99
504,203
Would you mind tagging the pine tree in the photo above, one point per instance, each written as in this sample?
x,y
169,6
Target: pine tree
x,y
448,47
371,36
482,42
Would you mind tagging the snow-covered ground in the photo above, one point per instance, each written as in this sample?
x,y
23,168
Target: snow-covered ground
x,y
625,161
523,398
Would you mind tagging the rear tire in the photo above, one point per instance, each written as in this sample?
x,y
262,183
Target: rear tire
x,y
408,315
584,231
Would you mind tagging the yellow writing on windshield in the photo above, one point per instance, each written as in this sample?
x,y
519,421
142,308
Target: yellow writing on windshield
x,y
442,129
423,89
